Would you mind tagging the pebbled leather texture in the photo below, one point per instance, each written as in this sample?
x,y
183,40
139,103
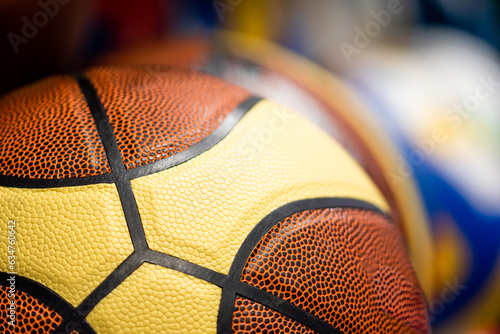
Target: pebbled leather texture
x,y
158,300
168,111
348,267
68,239
154,250
203,209
47,132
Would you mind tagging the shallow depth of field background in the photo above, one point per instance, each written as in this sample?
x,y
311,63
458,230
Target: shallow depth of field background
x,y
428,70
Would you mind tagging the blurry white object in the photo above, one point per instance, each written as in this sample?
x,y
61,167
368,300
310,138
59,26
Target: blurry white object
x,y
442,88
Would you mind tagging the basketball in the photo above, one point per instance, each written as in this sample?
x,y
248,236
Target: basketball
x,y
463,211
271,71
180,203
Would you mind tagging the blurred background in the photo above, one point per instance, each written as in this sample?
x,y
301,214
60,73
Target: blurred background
x,y
427,71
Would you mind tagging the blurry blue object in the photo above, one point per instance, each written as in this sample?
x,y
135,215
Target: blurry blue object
x,y
481,231
479,17
195,15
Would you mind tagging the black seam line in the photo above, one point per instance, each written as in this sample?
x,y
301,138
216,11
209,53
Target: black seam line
x,y
71,324
226,308
53,301
114,156
124,270
282,306
215,137
43,294
203,145
273,218
237,288
186,267
240,288
104,128
134,261
224,321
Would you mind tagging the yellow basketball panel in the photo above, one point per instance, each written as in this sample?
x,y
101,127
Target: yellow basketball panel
x,y
154,299
68,239
203,209
335,93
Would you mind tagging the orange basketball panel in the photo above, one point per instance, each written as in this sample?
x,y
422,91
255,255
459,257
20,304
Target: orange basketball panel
x,y
158,112
348,267
252,317
47,132
31,315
